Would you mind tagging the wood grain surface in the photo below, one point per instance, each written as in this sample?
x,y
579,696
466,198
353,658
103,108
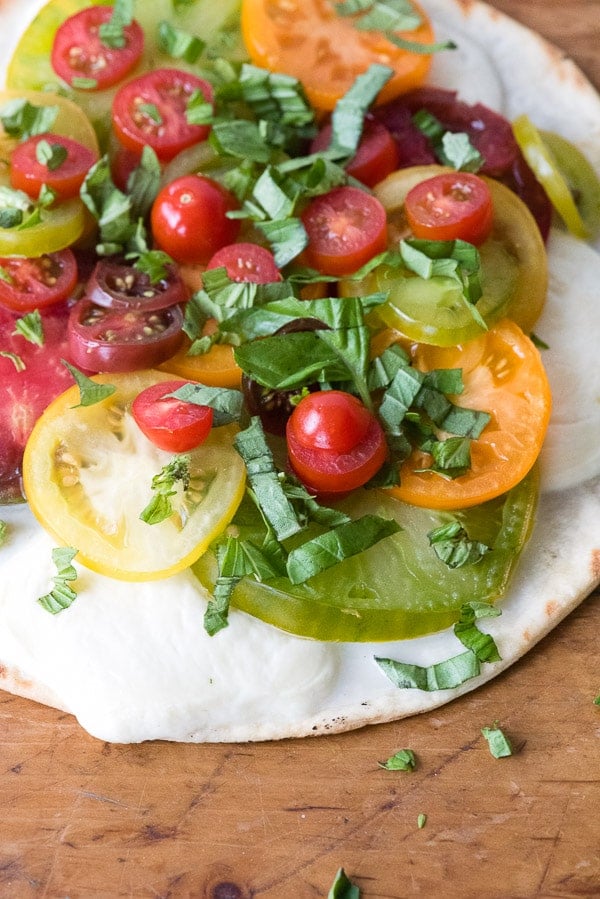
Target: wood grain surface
x,y
80,818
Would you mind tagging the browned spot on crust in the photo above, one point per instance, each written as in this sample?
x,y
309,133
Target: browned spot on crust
x,y
3,671
595,566
526,636
551,607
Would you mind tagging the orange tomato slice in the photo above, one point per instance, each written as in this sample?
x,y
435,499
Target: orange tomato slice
x,y
503,374
217,368
325,51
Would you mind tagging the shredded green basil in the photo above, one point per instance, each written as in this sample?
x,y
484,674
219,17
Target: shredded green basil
x,y
452,545
343,888
163,486
22,119
15,359
403,760
499,744
90,392
62,595
30,327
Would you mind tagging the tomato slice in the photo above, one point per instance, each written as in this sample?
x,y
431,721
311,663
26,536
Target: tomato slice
x,y
246,262
64,176
34,283
452,206
27,391
189,219
102,339
217,368
151,111
70,122
376,156
171,424
503,375
334,443
397,589
346,227
88,473
326,51
117,285
514,271
581,178
59,226
82,59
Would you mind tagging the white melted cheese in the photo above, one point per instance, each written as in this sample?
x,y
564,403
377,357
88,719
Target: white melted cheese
x,y
133,662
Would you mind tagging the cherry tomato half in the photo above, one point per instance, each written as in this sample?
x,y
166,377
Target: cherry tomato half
x,y
117,285
171,424
246,262
81,58
326,51
151,110
34,283
189,218
333,445
103,339
452,206
376,156
28,172
345,228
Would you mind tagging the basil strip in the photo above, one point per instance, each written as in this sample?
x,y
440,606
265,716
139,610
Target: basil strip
x,y
452,545
348,116
30,327
499,744
444,675
22,119
90,392
403,760
179,44
343,888
289,361
62,595
233,566
14,358
482,645
225,402
265,481
163,484
334,546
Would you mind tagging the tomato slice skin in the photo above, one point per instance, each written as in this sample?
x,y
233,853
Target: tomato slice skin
x,y
171,425
319,466
246,262
37,282
325,51
118,285
122,340
503,375
452,206
376,156
346,227
150,110
60,226
79,53
189,219
28,174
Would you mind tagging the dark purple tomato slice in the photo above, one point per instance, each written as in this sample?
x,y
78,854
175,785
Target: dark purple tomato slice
x,y
118,285
82,59
31,378
102,339
34,283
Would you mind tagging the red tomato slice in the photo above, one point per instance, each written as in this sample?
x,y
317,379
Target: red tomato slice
x,y
28,283
28,173
246,262
320,466
189,219
26,392
117,285
103,339
345,228
171,425
82,59
151,110
376,156
452,206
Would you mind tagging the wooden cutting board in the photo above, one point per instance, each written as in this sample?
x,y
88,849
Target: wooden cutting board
x,y
85,819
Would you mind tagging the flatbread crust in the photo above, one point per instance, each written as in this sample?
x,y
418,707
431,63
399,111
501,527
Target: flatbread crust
x,y
133,664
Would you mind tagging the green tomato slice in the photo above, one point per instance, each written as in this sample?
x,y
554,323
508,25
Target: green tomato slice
x,y
581,178
398,588
59,227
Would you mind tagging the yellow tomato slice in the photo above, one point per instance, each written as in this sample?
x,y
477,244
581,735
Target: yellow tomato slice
x,y
326,51
87,473
503,375
514,271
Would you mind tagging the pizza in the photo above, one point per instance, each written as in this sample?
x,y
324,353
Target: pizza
x,y
203,580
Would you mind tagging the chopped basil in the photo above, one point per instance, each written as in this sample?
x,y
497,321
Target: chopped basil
x,y
349,113
50,155
538,342
143,184
452,545
179,44
451,457
498,742
151,111
597,700
233,565
22,119
455,259
31,328
62,595
453,149
335,545
456,670
403,760
343,888
225,402
163,484
390,17
3,532
90,392
15,359
117,215
84,84
155,264
16,207
421,821
112,33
